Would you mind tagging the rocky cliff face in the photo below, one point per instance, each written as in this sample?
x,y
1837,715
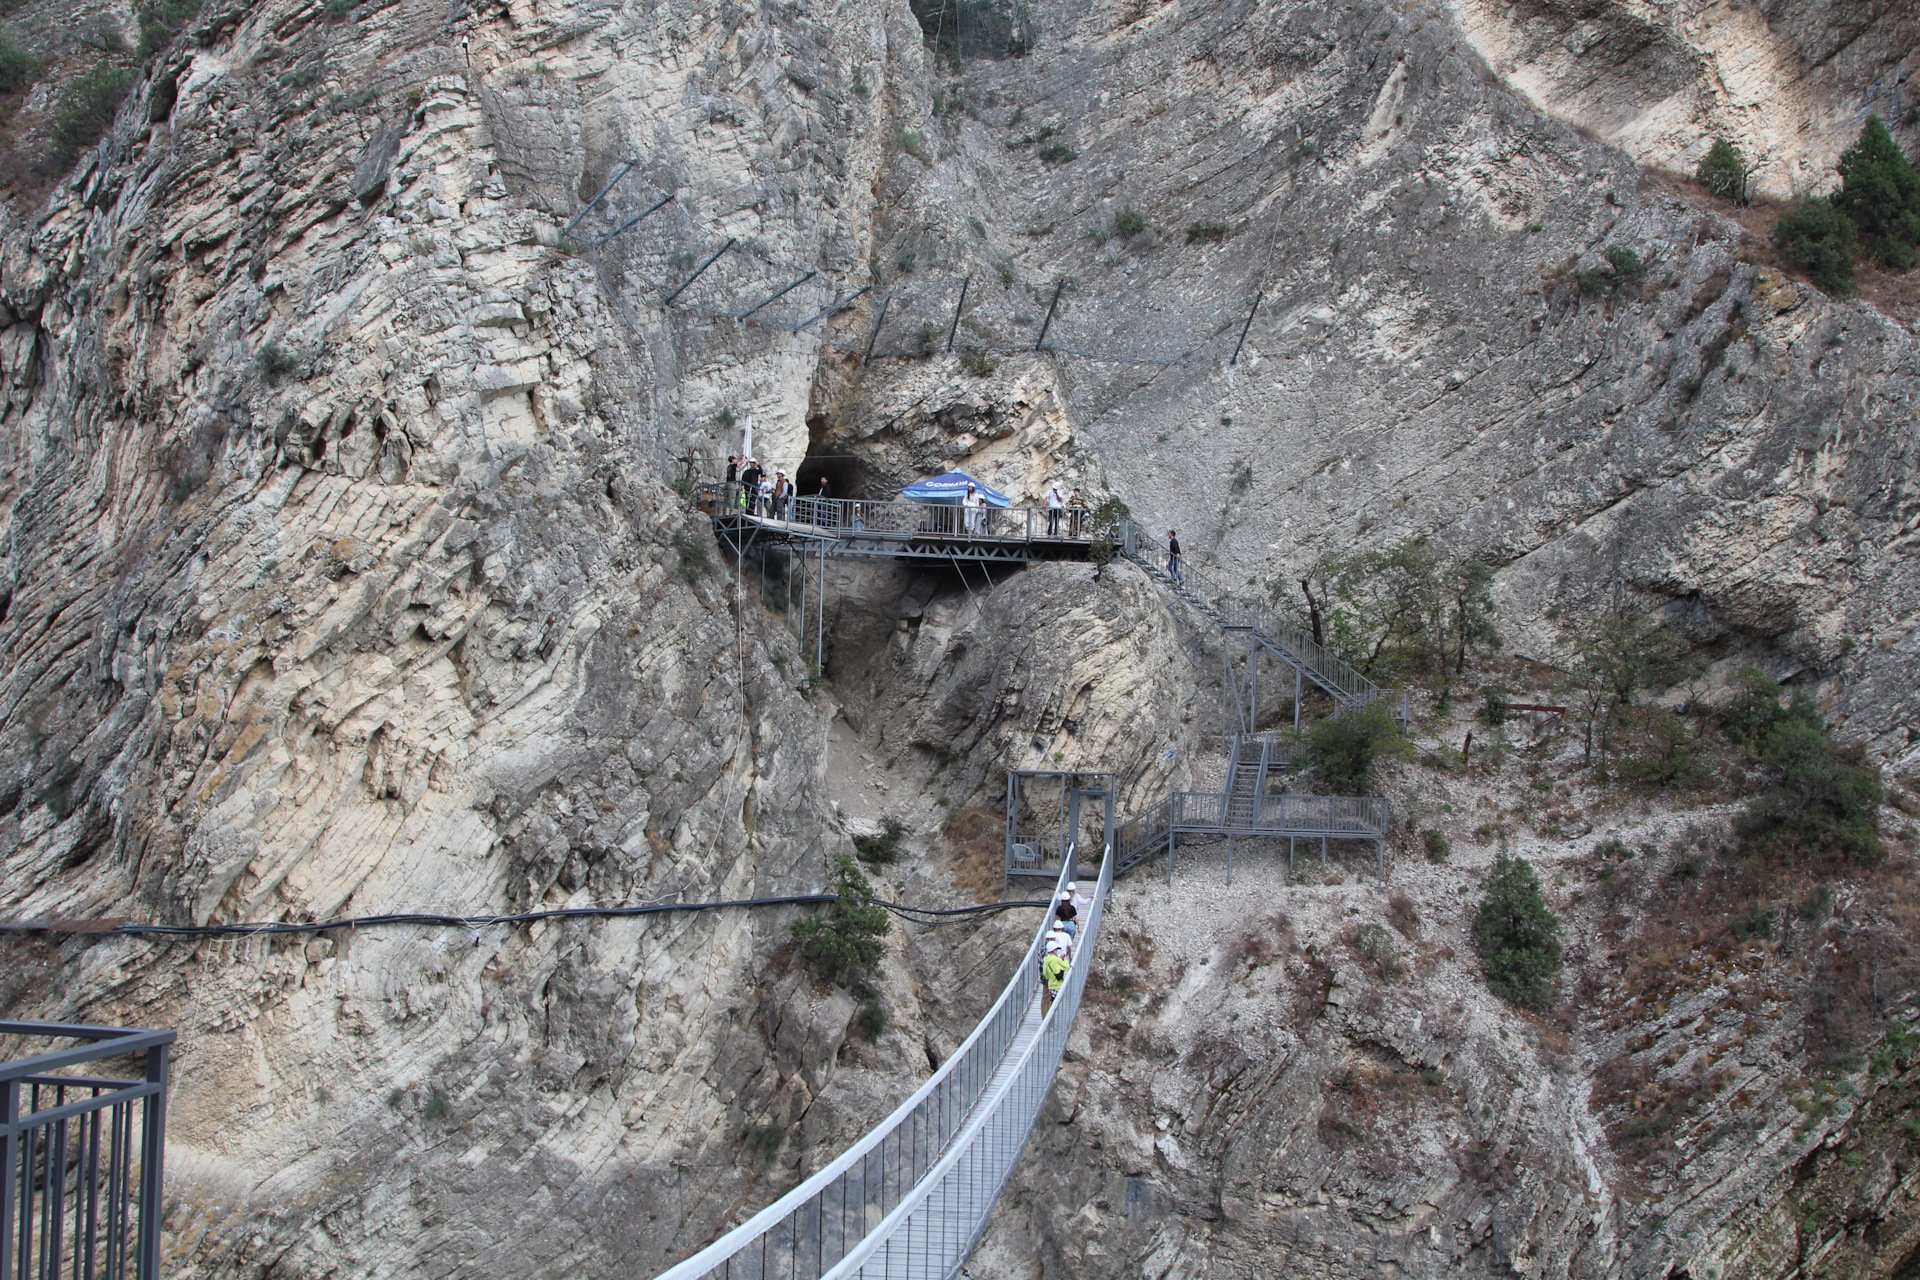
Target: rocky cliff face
x,y
344,574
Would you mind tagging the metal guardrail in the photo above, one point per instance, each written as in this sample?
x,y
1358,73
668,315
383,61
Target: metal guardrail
x,y
869,520
81,1155
1219,814
811,1229
931,1233
1208,812
1320,664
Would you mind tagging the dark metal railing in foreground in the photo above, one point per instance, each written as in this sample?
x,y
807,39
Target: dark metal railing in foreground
x,y
81,1153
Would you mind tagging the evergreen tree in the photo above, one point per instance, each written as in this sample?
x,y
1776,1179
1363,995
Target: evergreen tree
x,y
849,936
1819,239
1723,171
1880,192
1517,935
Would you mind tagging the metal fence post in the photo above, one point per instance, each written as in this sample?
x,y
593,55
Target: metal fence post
x,y
153,1132
9,1158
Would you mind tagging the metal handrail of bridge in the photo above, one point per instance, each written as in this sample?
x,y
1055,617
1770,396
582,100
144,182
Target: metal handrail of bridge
x,y
882,1183
932,1232
871,521
81,1153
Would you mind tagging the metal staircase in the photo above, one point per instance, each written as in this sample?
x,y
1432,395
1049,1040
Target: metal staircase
x,y
1311,661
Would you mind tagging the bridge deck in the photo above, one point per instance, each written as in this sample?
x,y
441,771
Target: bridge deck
x,y
906,530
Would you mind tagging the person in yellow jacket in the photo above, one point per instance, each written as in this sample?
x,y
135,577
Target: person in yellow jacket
x,y
1053,969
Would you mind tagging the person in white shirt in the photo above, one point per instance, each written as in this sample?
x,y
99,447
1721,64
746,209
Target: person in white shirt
x,y
1054,504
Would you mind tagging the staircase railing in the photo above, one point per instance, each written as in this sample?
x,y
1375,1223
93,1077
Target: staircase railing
x,y
1292,641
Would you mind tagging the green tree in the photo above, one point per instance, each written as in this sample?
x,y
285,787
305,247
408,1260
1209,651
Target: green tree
x,y
1517,935
1820,240
1880,193
1385,610
1344,750
848,936
1619,654
1723,171
85,108
1752,710
1825,799
1473,613
18,68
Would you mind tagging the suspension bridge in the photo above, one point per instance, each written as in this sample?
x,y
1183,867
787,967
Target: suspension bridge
x,y
911,1198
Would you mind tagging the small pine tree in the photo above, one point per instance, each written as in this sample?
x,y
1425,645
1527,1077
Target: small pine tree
x,y
1825,798
848,936
1820,240
1880,192
1723,171
1518,936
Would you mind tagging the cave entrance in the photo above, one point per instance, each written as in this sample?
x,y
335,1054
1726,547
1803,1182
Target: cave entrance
x,y
846,472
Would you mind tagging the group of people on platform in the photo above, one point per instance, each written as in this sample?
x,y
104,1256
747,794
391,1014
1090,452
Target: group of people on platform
x,y
761,494
1056,956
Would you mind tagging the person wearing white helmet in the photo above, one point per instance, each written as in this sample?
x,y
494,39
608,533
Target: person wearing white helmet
x,y
1079,900
1054,963
1065,917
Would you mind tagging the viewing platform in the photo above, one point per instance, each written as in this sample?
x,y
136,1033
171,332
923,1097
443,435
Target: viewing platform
x,y
905,530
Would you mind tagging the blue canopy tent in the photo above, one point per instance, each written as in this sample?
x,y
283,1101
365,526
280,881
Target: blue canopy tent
x,y
950,488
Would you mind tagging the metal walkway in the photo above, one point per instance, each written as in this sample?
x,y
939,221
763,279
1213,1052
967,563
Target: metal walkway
x,y
904,530
910,1200
1311,662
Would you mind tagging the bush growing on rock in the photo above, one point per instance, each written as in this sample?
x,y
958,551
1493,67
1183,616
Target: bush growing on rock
x,y
18,68
1824,800
1723,171
1518,936
1880,194
161,20
1344,750
84,110
1820,240
847,937
882,846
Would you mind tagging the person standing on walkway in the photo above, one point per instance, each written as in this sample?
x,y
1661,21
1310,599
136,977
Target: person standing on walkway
x,y
970,511
733,469
750,487
1076,508
823,504
1173,556
1054,503
1053,970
